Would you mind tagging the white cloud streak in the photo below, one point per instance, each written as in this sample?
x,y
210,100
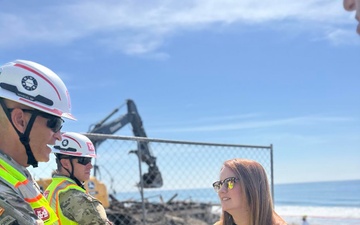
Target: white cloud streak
x,y
296,121
138,27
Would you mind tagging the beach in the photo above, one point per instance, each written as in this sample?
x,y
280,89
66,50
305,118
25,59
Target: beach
x,y
320,215
324,203
316,215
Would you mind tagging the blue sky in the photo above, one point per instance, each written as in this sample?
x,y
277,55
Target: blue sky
x,y
269,72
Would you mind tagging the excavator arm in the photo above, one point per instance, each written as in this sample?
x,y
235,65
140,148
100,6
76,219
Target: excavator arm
x,y
151,179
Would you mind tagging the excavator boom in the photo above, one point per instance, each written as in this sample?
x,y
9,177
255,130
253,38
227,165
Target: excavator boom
x,y
151,179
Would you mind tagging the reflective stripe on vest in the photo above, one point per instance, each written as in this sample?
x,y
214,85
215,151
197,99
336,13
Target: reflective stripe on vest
x,y
35,199
57,186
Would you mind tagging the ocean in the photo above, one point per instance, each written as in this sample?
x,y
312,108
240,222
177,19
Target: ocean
x,y
327,203
324,203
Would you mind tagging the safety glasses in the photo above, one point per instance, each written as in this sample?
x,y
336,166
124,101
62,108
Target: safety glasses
x,y
229,183
53,122
84,160
81,160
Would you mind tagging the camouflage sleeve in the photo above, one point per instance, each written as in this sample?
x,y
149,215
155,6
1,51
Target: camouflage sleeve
x,y
83,208
14,210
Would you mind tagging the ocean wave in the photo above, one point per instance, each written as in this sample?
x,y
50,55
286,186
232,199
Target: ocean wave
x,y
318,212
320,215
315,215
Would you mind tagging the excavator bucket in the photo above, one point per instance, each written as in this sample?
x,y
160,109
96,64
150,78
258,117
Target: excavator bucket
x,y
152,179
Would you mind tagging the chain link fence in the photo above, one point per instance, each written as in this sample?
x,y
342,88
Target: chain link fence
x,y
187,169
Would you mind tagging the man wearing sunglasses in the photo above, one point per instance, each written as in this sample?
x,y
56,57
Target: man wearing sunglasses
x,y
33,101
66,193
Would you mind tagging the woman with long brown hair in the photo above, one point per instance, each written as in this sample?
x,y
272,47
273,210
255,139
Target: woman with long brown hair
x,y
245,195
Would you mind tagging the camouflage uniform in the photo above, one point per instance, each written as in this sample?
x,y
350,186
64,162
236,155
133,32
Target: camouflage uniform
x,y
13,208
81,207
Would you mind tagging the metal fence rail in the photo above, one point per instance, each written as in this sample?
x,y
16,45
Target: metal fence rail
x,y
188,170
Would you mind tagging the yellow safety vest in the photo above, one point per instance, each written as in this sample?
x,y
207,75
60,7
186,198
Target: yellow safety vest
x,y
57,186
35,199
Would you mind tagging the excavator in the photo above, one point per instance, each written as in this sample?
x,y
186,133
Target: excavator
x,y
132,212
151,179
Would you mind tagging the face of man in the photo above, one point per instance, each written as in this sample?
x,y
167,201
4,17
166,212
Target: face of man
x,y
40,137
82,172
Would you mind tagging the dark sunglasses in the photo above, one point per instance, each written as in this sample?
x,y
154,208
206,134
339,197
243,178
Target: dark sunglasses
x,y
54,122
229,183
81,160
84,160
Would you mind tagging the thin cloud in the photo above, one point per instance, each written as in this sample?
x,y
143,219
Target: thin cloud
x,y
342,37
230,117
296,121
136,30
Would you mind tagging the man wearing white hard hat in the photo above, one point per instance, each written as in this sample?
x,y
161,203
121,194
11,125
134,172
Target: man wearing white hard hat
x,y
33,103
66,192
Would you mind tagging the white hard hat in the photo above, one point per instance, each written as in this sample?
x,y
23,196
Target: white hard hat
x,y
36,86
74,144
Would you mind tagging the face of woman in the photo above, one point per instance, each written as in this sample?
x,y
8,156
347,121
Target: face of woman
x,y
232,199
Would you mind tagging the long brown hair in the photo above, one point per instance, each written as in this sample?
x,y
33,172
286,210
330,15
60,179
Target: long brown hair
x,y
254,183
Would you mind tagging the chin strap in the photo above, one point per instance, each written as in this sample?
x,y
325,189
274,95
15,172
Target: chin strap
x,y
80,184
25,140
23,137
